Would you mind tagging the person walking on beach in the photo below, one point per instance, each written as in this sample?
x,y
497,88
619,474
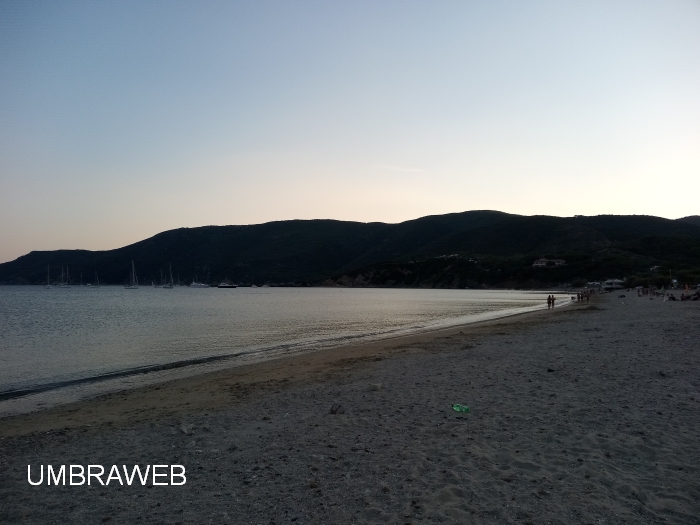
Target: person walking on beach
x,y
549,302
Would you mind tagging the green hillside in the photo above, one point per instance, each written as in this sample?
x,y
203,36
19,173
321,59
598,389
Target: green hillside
x,y
318,250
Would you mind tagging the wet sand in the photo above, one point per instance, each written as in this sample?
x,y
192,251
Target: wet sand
x,y
587,414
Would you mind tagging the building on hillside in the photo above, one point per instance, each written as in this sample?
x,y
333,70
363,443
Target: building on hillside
x,y
548,263
614,284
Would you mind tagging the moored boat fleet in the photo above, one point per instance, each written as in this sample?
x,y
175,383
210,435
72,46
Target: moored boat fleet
x,y
133,282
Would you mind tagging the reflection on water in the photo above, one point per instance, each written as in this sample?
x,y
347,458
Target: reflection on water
x,y
61,335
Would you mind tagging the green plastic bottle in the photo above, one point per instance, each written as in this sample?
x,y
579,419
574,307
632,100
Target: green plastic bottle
x,y
460,408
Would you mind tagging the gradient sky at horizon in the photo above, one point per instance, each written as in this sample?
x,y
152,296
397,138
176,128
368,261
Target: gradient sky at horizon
x,y
119,120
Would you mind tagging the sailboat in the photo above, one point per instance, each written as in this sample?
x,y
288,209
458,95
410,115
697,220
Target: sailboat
x,y
97,282
133,281
63,283
48,281
161,281
170,284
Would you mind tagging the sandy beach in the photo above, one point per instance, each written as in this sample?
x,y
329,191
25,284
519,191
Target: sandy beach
x,y
585,414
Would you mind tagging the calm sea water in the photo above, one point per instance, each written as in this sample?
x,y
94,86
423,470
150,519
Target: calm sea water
x,y
85,341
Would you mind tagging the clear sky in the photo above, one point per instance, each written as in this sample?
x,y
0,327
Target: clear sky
x,y
121,119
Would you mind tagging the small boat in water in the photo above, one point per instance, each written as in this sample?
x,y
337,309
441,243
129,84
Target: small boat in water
x,y
48,281
133,281
169,285
227,285
161,281
197,284
97,282
63,283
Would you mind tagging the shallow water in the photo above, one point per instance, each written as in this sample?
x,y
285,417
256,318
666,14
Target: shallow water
x,y
53,338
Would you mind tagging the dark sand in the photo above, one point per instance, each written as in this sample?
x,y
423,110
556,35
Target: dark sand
x,y
581,415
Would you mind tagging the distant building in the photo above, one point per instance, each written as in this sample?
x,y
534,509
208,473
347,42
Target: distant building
x,y
614,284
548,263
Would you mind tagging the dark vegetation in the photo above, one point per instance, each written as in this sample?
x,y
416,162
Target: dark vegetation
x,y
692,219
470,249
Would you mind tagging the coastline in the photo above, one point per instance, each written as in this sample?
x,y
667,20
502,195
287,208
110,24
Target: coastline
x,y
302,365
41,396
586,414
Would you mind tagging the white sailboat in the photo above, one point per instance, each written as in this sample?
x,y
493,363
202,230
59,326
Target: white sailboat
x,y
48,281
133,281
65,284
170,284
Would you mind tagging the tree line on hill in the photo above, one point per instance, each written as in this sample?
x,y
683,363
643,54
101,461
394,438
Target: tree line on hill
x,y
469,249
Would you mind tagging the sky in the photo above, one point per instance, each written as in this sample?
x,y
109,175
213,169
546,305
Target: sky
x,y
119,120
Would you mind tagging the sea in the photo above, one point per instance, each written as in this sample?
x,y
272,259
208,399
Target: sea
x,y
64,344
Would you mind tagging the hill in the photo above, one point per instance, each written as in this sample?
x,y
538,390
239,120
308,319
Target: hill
x,y
691,219
317,251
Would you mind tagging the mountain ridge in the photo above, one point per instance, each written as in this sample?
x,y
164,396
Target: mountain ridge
x,y
316,250
691,219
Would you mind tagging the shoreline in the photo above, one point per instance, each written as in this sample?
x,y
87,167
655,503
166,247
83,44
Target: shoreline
x,y
325,356
588,414
153,374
